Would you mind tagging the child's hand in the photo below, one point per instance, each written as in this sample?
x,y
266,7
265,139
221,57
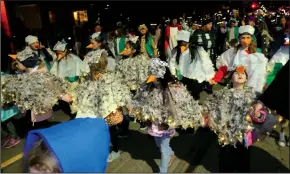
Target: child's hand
x,y
66,98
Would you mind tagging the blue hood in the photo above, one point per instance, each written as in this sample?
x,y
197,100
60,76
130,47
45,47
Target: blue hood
x,y
80,145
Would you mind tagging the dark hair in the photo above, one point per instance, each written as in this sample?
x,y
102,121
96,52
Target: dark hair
x,y
42,159
147,35
136,46
178,50
104,45
121,32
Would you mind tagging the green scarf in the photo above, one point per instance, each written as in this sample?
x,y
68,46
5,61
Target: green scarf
x,y
148,46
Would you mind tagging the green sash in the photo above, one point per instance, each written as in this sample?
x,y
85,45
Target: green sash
x,y
148,46
179,75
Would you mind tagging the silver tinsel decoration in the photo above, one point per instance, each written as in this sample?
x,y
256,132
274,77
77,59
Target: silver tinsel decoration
x,y
228,111
101,97
37,92
133,70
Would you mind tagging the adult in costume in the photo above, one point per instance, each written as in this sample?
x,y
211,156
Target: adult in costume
x,y
170,36
245,54
34,57
280,58
57,149
147,42
179,63
67,66
119,42
201,69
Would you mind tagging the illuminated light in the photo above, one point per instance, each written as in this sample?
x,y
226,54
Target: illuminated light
x,y
189,17
69,38
108,5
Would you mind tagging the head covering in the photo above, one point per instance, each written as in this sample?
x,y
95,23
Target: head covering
x,y
31,39
95,35
133,39
206,21
157,67
246,29
80,145
183,36
251,18
60,46
143,26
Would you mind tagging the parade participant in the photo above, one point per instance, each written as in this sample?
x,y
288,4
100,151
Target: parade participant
x,y
119,42
201,69
226,111
134,65
265,38
104,95
99,51
252,22
67,66
58,149
245,54
147,42
34,57
278,90
170,37
187,28
181,59
37,92
232,31
280,58
164,105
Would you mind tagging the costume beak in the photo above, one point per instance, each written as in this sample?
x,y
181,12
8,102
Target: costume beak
x,y
13,56
123,52
90,46
183,48
151,79
59,56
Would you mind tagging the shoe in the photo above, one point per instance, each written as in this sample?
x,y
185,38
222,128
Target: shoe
x,y
12,143
112,156
282,143
5,141
143,128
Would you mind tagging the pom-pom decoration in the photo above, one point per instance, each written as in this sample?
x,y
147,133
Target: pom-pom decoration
x,y
228,114
133,70
37,92
240,69
180,109
102,97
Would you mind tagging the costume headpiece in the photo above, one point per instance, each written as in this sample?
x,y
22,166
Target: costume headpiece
x,y
246,29
60,46
157,67
183,36
143,26
133,39
31,39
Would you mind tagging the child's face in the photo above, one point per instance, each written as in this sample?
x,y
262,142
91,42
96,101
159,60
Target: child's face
x,y
239,78
129,50
245,40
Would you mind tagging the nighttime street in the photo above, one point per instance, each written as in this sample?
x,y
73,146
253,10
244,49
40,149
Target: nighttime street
x,y
145,87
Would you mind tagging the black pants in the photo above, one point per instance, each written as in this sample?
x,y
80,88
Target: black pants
x,y
114,138
65,107
233,159
195,88
125,125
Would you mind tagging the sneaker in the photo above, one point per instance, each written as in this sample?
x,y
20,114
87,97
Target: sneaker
x,y
113,155
12,143
143,128
5,141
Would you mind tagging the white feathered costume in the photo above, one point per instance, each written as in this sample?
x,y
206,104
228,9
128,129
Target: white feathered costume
x,y
254,63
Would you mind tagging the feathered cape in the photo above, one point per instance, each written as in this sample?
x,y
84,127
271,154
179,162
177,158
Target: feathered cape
x,y
228,110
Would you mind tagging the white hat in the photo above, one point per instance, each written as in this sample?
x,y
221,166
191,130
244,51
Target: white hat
x,y
60,46
31,39
95,35
246,29
183,36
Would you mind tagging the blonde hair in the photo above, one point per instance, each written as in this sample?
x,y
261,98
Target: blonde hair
x,y
41,159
